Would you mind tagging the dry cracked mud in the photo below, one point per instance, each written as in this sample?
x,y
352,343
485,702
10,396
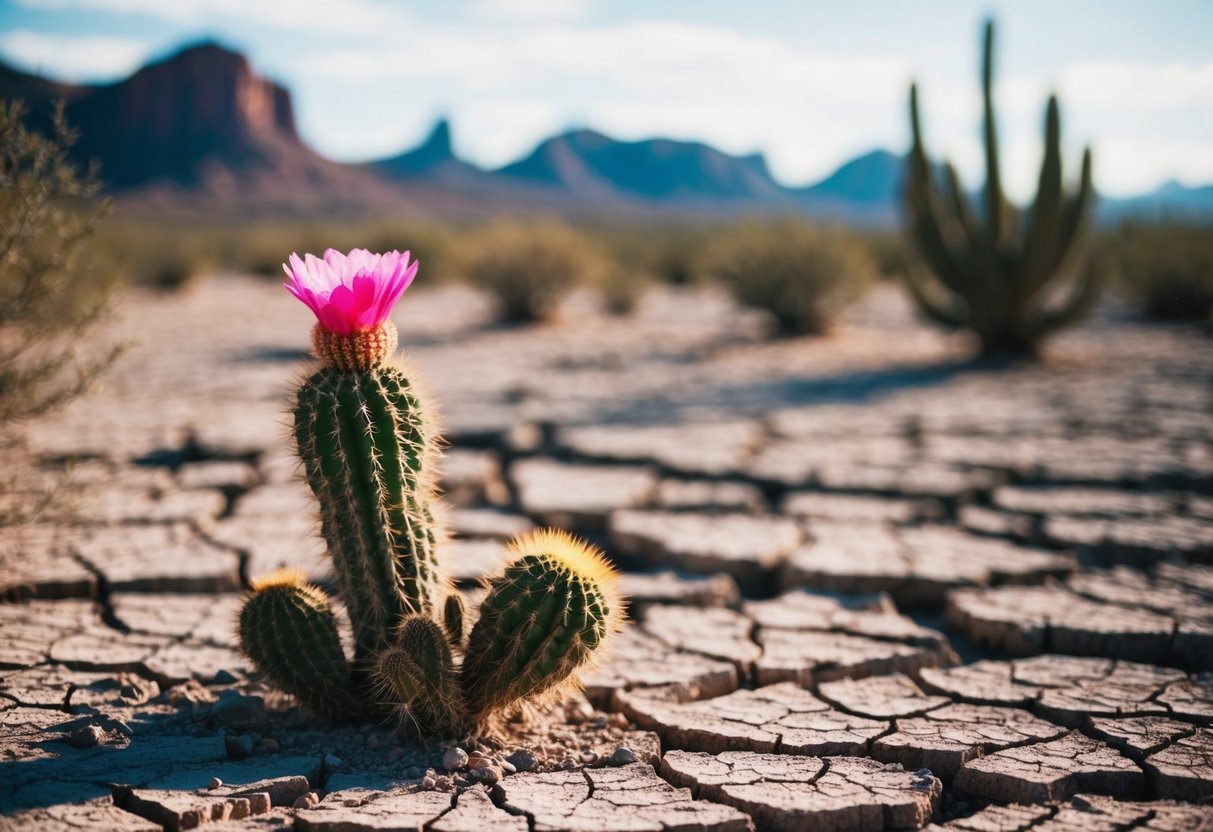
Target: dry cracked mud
x,y
873,586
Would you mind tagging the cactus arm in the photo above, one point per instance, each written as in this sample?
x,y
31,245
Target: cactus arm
x,y
544,617
926,211
996,205
942,313
286,627
961,207
1040,245
418,675
1076,219
452,619
1078,302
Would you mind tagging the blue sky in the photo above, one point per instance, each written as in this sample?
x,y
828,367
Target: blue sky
x,y
810,84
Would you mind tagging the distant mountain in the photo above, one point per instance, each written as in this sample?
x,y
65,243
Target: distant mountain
x,y
1172,200
865,190
198,128
201,132
591,165
433,159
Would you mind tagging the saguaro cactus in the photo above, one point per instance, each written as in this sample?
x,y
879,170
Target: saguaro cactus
x,y
367,448
1011,277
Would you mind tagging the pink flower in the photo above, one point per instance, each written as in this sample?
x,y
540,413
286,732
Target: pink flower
x,y
352,292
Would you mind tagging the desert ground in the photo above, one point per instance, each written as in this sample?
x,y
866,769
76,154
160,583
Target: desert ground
x,y
874,585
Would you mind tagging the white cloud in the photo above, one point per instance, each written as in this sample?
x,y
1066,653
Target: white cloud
x,y
364,17
532,9
74,58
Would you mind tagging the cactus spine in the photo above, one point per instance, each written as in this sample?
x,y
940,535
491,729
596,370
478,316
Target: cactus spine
x,y
999,277
366,448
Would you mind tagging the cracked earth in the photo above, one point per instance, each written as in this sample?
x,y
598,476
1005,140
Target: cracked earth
x,y
873,586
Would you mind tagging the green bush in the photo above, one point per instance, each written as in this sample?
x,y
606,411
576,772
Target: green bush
x,y
1165,269
800,274
528,267
52,291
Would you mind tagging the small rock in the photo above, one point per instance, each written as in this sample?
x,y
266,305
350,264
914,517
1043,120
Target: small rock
x,y
428,782
270,744
479,762
239,712
332,761
215,783
507,766
622,756
372,741
600,721
522,760
85,736
412,772
489,775
306,801
238,747
454,759
618,720
225,677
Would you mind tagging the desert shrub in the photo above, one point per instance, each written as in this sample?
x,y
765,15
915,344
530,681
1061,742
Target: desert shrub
x,y
50,292
1164,269
159,255
801,274
528,267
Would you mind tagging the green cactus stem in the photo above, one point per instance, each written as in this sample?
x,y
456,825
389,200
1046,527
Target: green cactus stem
x,y
366,444
1011,278
542,620
419,674
452,618
287,628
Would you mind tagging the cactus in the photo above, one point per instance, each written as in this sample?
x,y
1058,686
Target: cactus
x,y
367,447
1000,275
287,628
541,620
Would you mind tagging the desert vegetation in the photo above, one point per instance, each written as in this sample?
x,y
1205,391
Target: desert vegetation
x,y
1164,270
802,275
999,271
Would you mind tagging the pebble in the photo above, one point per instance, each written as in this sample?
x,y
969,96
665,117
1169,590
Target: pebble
x,y
372,741
521,760
455,758
239,712
270,744
507,766
589,758
225,677
489,775
428,782
333,761
238,747
622,756
215,783
85,736
306,801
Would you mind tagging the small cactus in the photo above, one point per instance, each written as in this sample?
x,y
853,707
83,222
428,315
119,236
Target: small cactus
x,y
367,446
999,271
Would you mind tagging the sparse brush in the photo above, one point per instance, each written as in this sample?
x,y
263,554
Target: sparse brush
x,y
803,276
367,448
54,289
528,267
1165,269
1011,277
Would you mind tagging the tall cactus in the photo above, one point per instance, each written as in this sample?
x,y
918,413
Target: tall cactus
x,y
1011,277
367,447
